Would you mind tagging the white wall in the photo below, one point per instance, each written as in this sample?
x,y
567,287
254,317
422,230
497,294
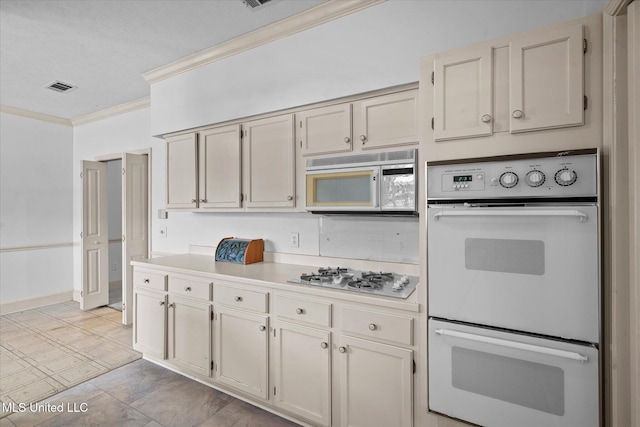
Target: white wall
x,y
35,208
378,47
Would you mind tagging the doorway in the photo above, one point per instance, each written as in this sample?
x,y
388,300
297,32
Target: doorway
x,y
115,223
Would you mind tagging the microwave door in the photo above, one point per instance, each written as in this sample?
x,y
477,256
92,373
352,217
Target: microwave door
x,y
344,189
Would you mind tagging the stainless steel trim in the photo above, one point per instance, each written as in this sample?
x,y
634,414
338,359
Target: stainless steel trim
x,y
508,212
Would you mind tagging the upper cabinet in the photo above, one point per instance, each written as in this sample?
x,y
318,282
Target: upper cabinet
x,y
182,171
219,167
324,130
387,120
531,83
268,159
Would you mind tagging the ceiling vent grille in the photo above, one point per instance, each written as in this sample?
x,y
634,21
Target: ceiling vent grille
x,y
61,87
255,3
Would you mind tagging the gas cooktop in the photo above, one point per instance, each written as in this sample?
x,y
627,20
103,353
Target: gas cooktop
x,y
370,282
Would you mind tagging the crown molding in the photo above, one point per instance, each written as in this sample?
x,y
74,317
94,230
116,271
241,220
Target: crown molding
x,y
616,7
324,12
36,116
111,111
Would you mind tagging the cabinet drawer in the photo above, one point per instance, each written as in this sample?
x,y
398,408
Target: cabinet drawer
x,y
145,279
190,288
302,310
241,298
378,325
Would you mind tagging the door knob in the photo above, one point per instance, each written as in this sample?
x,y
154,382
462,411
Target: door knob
x,y
342,349
347,139
324,345
262,328
363,138
372,326
289,198
299,311
517,114
486,118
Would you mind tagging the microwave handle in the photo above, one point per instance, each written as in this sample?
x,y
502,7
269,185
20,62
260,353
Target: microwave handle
x,y
376,188
513,344
505,212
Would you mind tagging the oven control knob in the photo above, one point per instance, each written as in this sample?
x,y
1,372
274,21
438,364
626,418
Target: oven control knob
x,y
404,280
508,179
565,177
535,178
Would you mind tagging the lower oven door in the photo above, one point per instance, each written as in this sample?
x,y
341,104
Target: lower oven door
x,y
531,269
499,379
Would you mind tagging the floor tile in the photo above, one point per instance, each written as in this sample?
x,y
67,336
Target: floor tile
x,y
242,414
4,422
118,358
79,373
100,346
20,379
7,356
101,311
13,366
181,403
67,362
114,316
35,391
72,303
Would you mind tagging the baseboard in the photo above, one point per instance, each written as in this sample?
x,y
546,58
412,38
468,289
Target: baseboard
x,y
77,295
27,304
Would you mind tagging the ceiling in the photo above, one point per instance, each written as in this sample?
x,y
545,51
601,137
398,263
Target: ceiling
x,y
104,46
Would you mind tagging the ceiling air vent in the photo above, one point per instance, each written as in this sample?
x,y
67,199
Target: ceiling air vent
x,y
255,3
58,86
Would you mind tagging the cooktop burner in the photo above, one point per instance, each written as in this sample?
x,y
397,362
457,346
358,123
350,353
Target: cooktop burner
x,y
379,283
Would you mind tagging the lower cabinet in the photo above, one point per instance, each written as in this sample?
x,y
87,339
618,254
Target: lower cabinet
x,y
376,384
303,372
242,351
150,323
189,335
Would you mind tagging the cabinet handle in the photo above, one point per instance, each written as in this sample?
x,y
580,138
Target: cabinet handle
x,y
146,280
289,198
324,345
262,328
299,311
347,139
193,200
363,138
238,299
486,118
342,349
187,288
161,302
372,326
517,114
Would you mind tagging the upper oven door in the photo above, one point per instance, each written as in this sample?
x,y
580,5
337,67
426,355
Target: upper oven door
x,y
533,269
346,189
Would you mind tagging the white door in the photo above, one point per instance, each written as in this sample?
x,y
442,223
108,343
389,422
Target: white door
x,y
388,120
95,236
219,158
190,334
135,218
325,130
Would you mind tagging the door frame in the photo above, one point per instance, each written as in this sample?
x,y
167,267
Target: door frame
x,y
120,156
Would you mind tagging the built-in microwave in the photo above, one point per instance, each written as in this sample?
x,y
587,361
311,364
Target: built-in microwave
x,y
382,183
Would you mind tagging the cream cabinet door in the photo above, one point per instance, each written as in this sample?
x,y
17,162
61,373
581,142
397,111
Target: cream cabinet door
x,y
463,95
387,120
377,384
268,153
324,130
150,323
190,334
182,172
242,351
547,80
303,372
219,167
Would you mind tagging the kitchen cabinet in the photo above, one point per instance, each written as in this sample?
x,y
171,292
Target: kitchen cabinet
x,y
302,358
150,322
182,172
242,351
376,384
387,120
219,157
324,130
268,162
531,83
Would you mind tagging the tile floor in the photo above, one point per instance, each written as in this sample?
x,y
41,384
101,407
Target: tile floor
x,y
139,393
47,350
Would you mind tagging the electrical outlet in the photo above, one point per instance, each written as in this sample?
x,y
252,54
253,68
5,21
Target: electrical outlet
x,y
295,240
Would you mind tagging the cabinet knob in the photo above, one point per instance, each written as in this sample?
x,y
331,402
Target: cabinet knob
x,y
172,305
203,200
299,311
238,299
372,326
193,200
517,114
262,328
363,138
347,139
289,198
486,118
146,280
161,302
187,288
324,345
342,349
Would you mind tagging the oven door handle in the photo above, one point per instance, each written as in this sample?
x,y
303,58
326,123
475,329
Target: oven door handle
x,y
512,212
513,344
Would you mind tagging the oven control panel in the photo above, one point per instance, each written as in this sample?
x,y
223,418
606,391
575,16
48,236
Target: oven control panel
x,y
557,176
